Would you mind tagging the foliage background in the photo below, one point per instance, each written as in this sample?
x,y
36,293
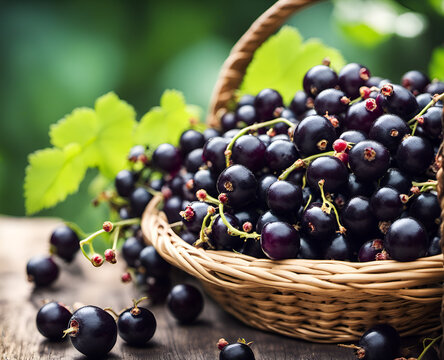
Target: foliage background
x,y
56,56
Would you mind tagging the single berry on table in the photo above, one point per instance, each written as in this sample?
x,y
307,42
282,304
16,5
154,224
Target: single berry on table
x,y
185,303
52,319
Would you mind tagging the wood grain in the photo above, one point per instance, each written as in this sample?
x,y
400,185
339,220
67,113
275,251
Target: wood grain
x,y
80,282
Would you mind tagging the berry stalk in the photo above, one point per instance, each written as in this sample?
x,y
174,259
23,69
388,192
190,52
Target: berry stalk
x,y
327,207
302,163
233,230
228,151
432,102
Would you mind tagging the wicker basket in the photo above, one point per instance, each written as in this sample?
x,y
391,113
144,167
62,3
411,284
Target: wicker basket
x,y
317,300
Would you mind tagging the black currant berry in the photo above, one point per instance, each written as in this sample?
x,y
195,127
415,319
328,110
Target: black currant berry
x,y
52,319
431,122
153,263
246,100
406,240
194,160
239,184
314,134
266,102
236,351
415,81
124,183
330,169
136,325
435,87
262,187
249,151
357,216
356,187
351,77
338,248
64,243
370,250
309,250
167,158
280,240
353,136
280,155
300,103
210,133
381,342
369,160
214,154
399,101
318,224
42,270
185,303
318,78
331,101
131,249
414,155
92,331
172,208
269,216
386,204
252,247
139,199
193,215
425,208
284,197
362,115
246,115
434,247
389,130
221,239
397,180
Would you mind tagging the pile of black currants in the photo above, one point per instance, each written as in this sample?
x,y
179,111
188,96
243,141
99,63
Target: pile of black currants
x,y
346,171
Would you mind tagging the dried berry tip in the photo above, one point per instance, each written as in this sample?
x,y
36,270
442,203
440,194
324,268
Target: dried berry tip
x,y
387,89
108,226
247,226
201,194
223,198
110,256
97,260
370,104
126,277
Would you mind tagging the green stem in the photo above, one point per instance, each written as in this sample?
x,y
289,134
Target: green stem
x,y
302,162
76,228
133,221
354,101
425,183
232,229
428,347
327,206
88,241
246,130
115,237
308,202
202,236
413,127
211,200
428,106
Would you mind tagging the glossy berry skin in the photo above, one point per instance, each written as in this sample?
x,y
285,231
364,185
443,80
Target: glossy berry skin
x,y
360,118
357,216
131,249
249,214
253,248
435,87
52,319
249,151
434,246
246,100
42,270
396,179
136,326
190,140
309,250
193,160
246,115
381,342
414,155
369,250
167,158
185,303
425,208
269,216
205,179
389,130
280,154
280,240
386,204
213,154
135,152
172,208
262,187
431,122
239,184
401,102
97,331
317,224
338,249
153,263
300,103
228,121
314,134
157,184
139,199
210,133
284,197
219,234
330,169
406,240
369,160
64,243
331,101
415,81
237,351
351,77
266,101
198,212
124,183
353,136
188,236
318,78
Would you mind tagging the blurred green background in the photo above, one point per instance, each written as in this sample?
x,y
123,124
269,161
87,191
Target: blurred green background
x,y
56,56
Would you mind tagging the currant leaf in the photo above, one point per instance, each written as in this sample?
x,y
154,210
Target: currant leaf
x,y
52,175
104,134
281,62
436,66
165,123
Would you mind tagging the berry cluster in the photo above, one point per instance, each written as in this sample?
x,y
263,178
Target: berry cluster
x,y
345,172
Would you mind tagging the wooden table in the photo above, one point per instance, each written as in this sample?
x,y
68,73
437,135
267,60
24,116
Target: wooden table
x,y
80,282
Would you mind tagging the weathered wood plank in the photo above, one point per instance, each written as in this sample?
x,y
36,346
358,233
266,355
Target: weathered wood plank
x,y
80,282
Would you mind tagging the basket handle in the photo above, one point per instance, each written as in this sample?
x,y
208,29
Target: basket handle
x,y
234,67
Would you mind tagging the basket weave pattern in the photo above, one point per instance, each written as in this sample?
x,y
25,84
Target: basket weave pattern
x,y
317,300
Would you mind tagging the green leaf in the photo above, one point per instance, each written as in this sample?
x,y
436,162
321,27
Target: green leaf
x,y
104,134
165,123
362,34
52,174
436,66
281,62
